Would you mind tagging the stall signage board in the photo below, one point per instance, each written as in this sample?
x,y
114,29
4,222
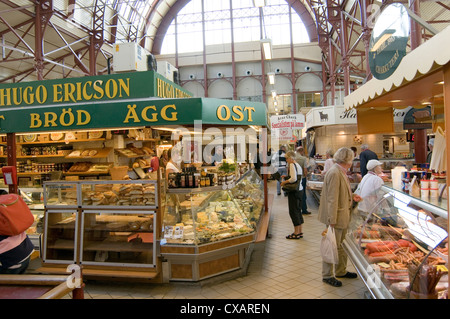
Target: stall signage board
x,y
321,116
111,87
132,113
418,119
284,126
388,41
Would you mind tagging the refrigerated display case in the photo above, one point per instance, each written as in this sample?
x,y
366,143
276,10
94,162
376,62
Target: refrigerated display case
x,y
207,231
399,245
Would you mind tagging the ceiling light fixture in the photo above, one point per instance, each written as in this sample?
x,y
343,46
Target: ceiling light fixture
x,y
271,76
267,48
259,3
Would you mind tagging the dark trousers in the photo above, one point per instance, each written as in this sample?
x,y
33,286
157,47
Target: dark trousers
x,y
294,199
302,204
19,270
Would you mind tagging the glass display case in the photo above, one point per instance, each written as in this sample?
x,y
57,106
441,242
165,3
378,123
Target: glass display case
x,y
399,245
107,194
112,238
101,223
209,214
203,216
60,240
249,194
208,231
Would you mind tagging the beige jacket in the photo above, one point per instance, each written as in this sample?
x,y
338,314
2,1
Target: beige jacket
x,y
335,199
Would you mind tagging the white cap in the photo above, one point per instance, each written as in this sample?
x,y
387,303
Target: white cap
x,y
372,164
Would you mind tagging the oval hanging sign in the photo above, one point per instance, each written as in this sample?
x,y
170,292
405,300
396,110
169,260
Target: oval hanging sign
x,y
388,41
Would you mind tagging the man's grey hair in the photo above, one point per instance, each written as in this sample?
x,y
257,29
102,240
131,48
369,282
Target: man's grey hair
x,y
344,155
364,147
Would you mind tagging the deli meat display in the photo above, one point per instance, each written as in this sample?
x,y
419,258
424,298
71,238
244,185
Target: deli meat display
x,y
399,245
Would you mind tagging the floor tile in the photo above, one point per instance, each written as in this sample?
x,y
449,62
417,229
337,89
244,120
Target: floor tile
x,y
279,269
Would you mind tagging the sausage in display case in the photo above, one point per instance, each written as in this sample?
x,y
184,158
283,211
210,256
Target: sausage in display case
x,y
399,245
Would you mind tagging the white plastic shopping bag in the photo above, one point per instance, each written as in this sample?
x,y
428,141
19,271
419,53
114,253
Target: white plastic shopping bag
x,y
328,246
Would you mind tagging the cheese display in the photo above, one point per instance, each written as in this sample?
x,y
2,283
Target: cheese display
x,y
404,241
195,218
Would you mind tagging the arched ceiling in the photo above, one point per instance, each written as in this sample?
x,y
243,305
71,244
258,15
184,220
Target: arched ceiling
x,y
163,12
71,38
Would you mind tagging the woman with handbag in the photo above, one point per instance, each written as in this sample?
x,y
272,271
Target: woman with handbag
x,y
294,189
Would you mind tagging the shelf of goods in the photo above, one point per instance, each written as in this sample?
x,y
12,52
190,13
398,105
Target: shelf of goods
x,y
399,245
210,231
110,227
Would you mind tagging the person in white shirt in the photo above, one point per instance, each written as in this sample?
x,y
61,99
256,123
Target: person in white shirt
x,y
329,162
369,184
173,163
294,197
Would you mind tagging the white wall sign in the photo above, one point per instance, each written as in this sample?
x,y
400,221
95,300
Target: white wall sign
x,y
283,126
329,115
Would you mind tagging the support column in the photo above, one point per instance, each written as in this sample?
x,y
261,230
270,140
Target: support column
x,y
447,136
345,59
44,11
11,149
420,139
420,136
366,36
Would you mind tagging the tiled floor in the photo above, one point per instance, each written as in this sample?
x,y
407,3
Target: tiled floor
x,y
279,268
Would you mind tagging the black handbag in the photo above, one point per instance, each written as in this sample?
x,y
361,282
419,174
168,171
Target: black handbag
x,y
292,187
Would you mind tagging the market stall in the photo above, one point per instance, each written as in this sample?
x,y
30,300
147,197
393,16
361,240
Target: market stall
x,y
410,224
87,146
337,127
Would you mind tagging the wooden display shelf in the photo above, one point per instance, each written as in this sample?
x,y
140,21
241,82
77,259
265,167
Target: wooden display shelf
x,y
120,153
41,156
103,152
128,273
62,244
117,246
87,173
31,173
62,141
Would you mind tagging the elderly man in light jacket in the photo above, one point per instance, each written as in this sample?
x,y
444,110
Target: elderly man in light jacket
x,y
336,202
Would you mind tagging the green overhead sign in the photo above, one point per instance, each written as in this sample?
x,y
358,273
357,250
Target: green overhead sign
x,y
388,41
112,87
132,113
115,101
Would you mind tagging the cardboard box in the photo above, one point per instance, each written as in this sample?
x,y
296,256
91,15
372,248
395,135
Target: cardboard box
x,y
44,137
81,135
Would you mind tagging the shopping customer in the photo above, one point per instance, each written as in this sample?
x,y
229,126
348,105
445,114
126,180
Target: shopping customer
x,y
303,161
364,157
294,196
335,207
15,252
279,161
